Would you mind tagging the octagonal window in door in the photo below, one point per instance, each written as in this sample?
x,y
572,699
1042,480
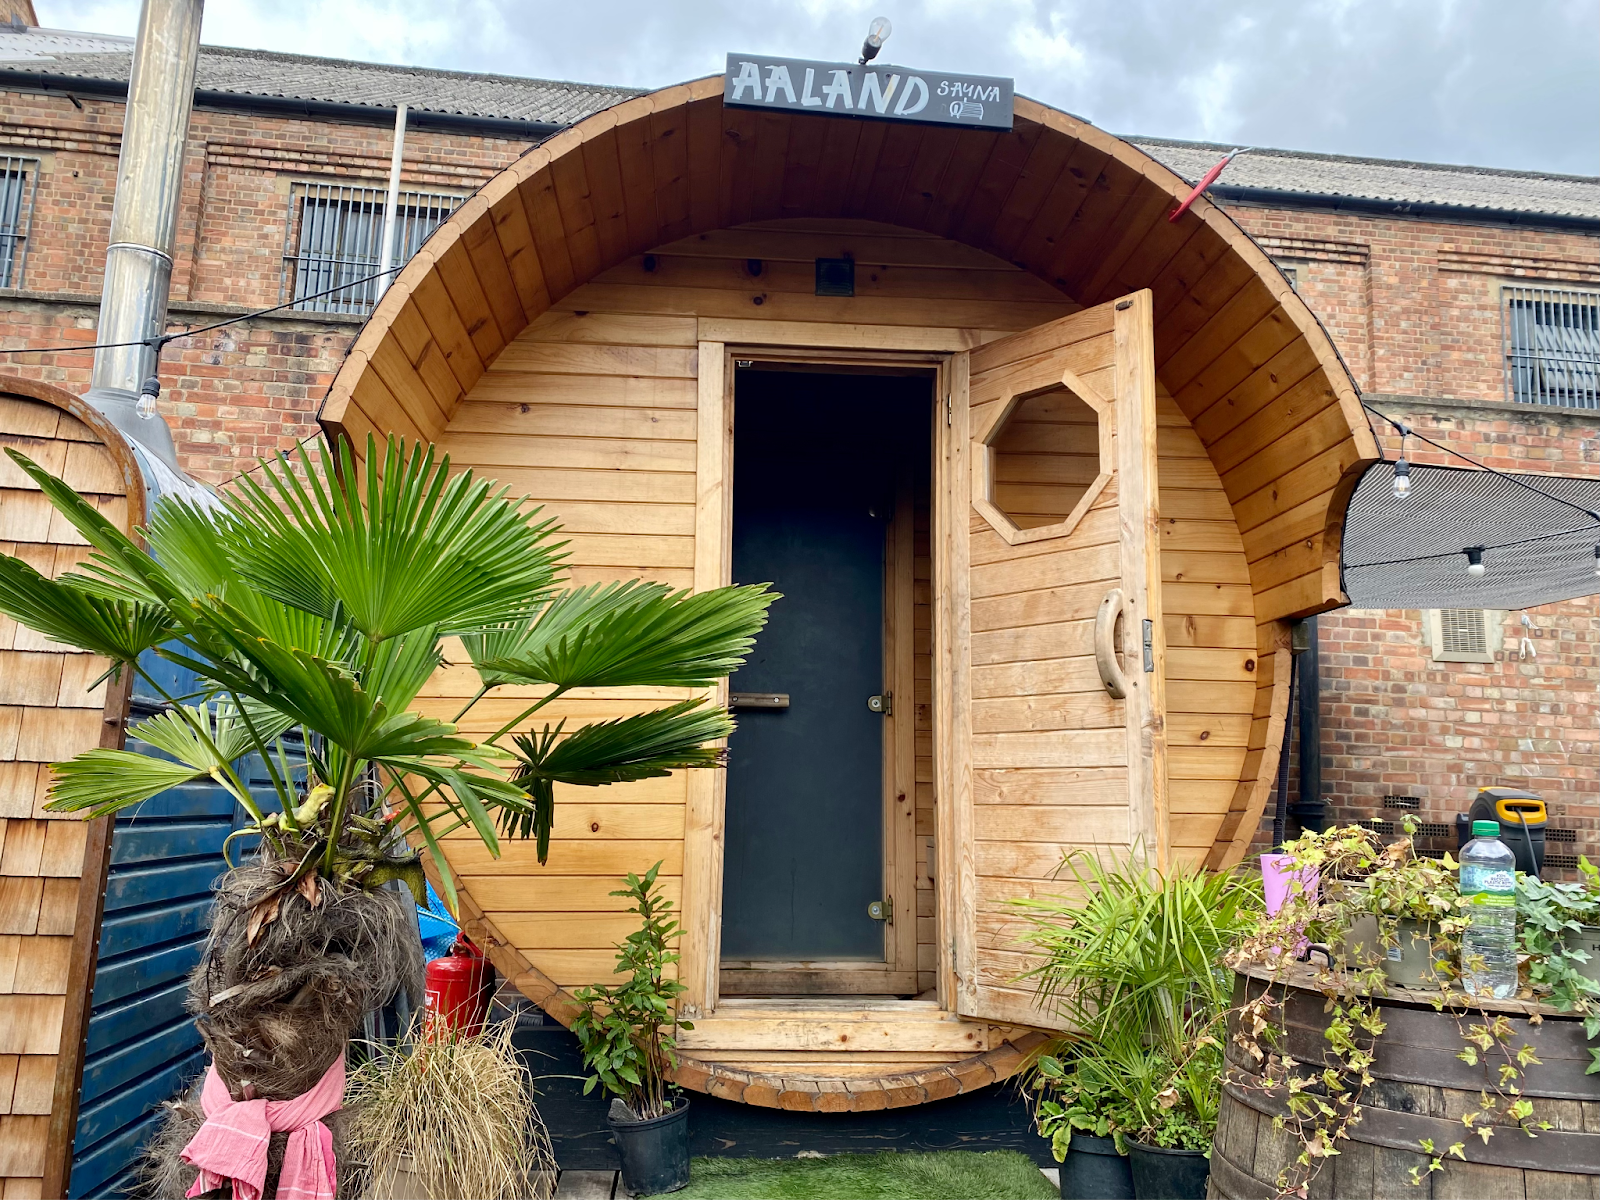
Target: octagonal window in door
x,y
1041,458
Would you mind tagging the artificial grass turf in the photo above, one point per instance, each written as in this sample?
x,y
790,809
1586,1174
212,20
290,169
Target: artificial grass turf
x,y
886,1175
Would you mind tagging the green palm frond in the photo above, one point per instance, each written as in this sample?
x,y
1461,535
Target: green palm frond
x,y
105,781
120,568
209,737
420,548
627,635
324,696
119,630
188,541
202,740
501,654
645,746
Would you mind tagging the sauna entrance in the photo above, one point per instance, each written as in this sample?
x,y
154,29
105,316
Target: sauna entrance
x,y
830,473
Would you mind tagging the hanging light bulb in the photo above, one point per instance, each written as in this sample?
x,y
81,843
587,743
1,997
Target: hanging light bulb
x,y
1474,560
1402,479
877,34
147,398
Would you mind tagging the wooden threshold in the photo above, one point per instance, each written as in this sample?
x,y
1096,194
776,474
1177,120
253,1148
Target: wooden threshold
x,y
846,1024
816,979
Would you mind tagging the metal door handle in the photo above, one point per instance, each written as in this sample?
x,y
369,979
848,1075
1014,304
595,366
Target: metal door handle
x,y
758,699
1105,645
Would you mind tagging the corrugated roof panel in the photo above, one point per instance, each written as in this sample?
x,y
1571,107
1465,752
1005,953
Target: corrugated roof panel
x,y
461,93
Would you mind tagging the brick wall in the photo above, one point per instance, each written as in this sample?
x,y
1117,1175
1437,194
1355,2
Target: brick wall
x,y
1413,305
1415,308
238,393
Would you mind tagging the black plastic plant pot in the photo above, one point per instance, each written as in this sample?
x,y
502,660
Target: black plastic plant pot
x,y
1093,1170
1162,1174
655,1153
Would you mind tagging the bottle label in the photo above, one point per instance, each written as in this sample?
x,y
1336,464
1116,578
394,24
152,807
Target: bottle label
x,y
1492,883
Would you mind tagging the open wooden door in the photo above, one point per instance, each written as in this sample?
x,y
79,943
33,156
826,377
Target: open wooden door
x,y
1050,649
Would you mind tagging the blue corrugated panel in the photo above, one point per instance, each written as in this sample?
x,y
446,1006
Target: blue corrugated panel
x,y
142,1047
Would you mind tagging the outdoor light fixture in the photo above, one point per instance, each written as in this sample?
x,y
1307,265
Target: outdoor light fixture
x,y
1402,469
1474,560
147,397
1402,479
1597,560
877,34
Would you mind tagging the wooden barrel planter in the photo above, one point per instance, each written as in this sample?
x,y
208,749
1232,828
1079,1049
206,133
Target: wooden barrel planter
x,y
1421,1090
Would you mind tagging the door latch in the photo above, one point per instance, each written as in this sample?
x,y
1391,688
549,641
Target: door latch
x,y
882,704
881,910
758,699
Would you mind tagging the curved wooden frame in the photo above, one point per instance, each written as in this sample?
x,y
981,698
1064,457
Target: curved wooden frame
x,y
97,848
1241,355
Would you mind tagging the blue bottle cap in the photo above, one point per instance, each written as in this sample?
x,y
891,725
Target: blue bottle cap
x,y
1486,829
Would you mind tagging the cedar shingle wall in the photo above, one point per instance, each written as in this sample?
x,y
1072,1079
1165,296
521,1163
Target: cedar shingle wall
x,y
47,713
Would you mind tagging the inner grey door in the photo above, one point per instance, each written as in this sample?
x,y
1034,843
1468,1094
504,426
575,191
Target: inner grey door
x,y
813,493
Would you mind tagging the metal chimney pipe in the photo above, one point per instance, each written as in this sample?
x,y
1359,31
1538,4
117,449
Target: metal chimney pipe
x,y
144,217
391,203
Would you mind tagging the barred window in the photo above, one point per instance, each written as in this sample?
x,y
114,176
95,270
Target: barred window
x,y
1552,343
19,180
335,236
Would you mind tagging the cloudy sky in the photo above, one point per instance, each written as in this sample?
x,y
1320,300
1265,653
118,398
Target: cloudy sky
x,y
1507,83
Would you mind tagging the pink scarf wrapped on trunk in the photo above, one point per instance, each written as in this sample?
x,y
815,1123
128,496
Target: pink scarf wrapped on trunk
x,y
231,1147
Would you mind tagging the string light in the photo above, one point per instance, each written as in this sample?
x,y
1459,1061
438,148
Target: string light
x,y
1402,479
1402,469
147,398
1475,567
877,33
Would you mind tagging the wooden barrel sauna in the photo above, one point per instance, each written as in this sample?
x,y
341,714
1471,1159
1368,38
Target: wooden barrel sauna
x,y
1421,1090
1119,439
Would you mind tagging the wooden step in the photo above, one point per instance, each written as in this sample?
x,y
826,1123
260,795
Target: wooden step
x,y
810,1025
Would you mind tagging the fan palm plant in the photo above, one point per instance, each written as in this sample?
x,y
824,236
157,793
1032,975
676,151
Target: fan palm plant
x,y
319,601
1131,961
311,603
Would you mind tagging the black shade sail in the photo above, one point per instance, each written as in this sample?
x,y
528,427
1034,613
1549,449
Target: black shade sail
x,y
1410,552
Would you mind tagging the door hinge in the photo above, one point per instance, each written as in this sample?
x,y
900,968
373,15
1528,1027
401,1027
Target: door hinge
x,y
947,409
1149,646
882,704
881,910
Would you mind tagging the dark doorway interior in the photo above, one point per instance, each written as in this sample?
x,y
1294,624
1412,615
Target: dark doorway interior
x,y
818,459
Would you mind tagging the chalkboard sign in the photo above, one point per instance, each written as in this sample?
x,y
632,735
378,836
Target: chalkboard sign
x,y
886,93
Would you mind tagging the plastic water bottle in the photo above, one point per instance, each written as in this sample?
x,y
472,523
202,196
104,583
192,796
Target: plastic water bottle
x,y
1489,945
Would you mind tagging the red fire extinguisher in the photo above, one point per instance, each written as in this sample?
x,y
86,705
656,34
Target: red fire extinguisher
x,y
457,990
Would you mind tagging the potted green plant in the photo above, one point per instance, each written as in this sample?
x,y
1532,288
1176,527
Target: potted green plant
x,y
1323,1094
627,1035
312,607
1132,964
1417,904
447,1114
1560,934
1078,1107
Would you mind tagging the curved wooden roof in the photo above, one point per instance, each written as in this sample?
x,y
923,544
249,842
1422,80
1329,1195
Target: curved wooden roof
x,y
1243,356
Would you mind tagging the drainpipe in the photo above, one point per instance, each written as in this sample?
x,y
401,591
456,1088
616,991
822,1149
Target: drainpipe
x,y
144,216
1310,809
391,203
